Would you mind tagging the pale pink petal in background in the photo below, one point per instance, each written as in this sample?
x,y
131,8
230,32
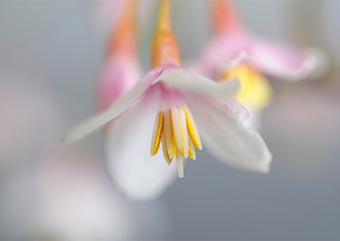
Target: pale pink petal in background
x,y
286,62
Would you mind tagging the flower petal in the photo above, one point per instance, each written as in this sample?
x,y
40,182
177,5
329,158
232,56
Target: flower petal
x,y
118,107
220,51
199,85
185,81
227,138
284,62
136,173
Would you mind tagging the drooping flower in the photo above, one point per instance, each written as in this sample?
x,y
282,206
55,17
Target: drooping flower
x,y
272,58
160,113
121,73
263,58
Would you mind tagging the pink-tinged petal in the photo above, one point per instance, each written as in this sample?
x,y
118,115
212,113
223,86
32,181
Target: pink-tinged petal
x,y
197,85
119,76
282,61
227,138
117,108
219,52
135,172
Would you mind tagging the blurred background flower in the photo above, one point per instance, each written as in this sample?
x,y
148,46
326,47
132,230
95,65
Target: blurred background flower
x,y
50,62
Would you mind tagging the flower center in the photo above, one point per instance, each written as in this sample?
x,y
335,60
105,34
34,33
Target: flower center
x,y
177,131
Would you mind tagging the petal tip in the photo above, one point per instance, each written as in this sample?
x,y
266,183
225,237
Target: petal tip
x,y
72,136
315,65
265,169
265,166
66,140
318,62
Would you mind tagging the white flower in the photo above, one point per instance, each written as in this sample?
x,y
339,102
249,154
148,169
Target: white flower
x,y
176,99
159,115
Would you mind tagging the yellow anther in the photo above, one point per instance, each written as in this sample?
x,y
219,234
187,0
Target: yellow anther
x,y
157,134
167,157
184,133
255,91
170,146
177,131
192,130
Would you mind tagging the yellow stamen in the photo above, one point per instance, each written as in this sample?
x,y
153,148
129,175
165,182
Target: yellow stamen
x,y
169,135
165,151
157,134
192,130
255,91
177,131
184,133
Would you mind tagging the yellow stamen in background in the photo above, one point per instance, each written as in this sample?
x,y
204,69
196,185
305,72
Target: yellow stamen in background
x,y
164,45
177,131
255,91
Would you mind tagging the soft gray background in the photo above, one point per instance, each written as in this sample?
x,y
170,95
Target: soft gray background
x,y
50,59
